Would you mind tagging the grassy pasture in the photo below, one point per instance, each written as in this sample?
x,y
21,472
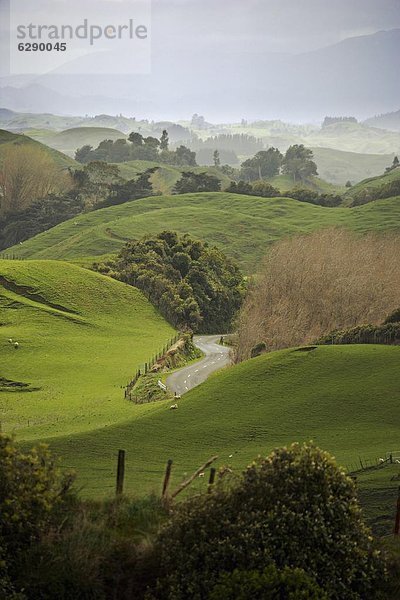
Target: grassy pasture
x,y
343,397
81,337
8,139
242,226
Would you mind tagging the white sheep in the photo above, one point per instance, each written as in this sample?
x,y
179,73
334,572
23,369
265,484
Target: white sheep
x,y
381,460
173,406
16,345
10,341
201,474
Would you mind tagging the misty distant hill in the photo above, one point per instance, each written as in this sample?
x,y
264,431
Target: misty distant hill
x,y
355,76
389,121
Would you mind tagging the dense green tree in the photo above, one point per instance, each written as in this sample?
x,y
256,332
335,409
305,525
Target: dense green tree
x,y
216,159
190,183
136,138
133,189
164,141
82,155
264,164
298,162
240,187
193,285
185,157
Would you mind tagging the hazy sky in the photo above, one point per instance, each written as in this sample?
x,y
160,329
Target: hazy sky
x,y
271,25
199,47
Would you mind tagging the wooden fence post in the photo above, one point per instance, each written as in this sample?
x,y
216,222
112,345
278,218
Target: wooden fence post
x,y
211,479
167,477
120,472
397,521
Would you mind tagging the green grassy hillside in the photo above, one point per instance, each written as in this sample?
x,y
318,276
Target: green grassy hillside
x,y
69,140
7,139
242,226
338,167
285,183
81,337
343,397
375,182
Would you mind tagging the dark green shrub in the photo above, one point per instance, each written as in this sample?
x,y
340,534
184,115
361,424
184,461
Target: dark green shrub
x,y
295,508
270,584
258,349
95,551
388,333
394,317
31,490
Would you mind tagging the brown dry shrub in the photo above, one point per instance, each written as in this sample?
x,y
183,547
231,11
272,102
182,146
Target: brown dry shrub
x,y
310,285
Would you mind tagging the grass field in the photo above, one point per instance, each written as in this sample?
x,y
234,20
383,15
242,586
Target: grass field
x,y
242,226
375,182
7,139
338,167
81,338
345,398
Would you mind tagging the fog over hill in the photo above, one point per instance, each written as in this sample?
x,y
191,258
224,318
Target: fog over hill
x,y
250,61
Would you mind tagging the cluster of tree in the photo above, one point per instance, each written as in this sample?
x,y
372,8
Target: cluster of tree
x,y
311,285
266,190
257,188
191,183
297,162
369,194
395,164
95,186
265,164
313,197
239,143
192,284
137,147
199,122
206,156
39,216
289,527
332,120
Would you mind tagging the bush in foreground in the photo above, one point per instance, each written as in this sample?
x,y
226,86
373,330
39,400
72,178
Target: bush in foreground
x,y
294,509
31,487
270,584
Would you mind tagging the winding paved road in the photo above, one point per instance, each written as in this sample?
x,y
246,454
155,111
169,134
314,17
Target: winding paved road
x,y
216,357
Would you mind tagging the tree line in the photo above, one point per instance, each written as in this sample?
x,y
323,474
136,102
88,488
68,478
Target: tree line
x,y
137,147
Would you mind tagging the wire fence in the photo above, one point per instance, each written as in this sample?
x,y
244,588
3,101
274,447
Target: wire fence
x,y
7,256
147,366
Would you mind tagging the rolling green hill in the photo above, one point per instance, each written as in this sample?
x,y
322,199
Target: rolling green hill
x,y
285,183
375,182
7,138
343,397
242,226
69,140
338,167
81,337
